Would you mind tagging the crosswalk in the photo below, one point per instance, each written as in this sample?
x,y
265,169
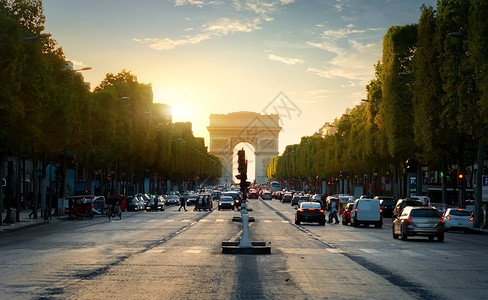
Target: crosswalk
x,y
425,253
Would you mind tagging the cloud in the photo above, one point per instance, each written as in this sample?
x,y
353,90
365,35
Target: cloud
x,y
224,26
169,44
286,60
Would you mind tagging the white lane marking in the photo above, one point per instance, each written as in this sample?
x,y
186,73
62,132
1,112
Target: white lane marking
x,y
267,221
412,253
285,221
219,220
335,250
370,251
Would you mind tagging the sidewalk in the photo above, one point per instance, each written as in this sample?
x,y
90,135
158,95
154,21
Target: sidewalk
x,y
26,222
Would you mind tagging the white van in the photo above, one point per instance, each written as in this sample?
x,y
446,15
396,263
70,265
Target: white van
x,y
366,211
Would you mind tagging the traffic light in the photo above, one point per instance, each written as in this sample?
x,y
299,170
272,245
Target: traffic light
x,y
241,161
461,176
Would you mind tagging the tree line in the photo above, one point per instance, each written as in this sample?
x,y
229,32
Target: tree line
x,y
48,111
428,99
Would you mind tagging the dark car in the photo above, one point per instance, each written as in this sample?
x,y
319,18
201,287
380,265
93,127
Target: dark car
x,y
310,212
387,204
402,203
132,203
286,197
419,221
226,202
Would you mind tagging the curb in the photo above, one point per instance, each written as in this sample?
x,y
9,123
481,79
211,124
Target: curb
x,y
32,225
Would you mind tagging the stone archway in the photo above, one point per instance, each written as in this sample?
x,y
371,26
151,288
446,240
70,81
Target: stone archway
x,y
228,130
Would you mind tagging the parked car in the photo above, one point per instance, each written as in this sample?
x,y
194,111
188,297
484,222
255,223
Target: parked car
x,y
310,212
366,211
402,203
346,215
387,204
132,203
458,218
156,203
226,202
172,199
419,221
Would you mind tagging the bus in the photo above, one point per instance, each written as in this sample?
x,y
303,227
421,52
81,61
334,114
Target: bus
x,y
275,186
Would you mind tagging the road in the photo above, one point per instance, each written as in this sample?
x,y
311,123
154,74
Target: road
x,y
177,255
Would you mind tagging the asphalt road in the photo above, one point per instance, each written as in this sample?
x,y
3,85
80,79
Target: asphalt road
x,y
178,255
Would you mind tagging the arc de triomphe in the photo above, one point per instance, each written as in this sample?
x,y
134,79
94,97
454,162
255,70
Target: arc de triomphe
x,y
228,130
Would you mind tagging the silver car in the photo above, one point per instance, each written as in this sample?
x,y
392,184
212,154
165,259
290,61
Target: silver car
x,y
419,221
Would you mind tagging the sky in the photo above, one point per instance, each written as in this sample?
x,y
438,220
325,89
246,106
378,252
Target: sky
x,y
306,60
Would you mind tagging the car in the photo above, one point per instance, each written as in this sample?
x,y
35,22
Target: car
x,y
366,211
402,203
309,212
172,199
191,199
252,194
419,221
226,202
295,199
132,203
266,195
235,195
317,198
156,203
425,200
458,218
286,197
346,214
387,205
470,205
303,198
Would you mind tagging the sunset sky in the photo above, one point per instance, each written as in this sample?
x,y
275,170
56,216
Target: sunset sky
x,y
204,56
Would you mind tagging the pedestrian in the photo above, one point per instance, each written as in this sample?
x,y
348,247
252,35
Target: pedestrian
x,y
333,212
182,202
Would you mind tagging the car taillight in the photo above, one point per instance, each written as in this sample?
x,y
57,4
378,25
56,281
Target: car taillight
x,y
321,211
471,219
442,220
356,209
300,210
409,220
449,217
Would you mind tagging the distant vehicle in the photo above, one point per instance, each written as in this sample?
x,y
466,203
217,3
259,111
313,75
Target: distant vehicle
x,y
266,195
387,205
295,199
425,200
252,194
132,203
458,218
402,203
275,186
366,211
172,199
191,199
226,202
419,221
310,212
286,197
